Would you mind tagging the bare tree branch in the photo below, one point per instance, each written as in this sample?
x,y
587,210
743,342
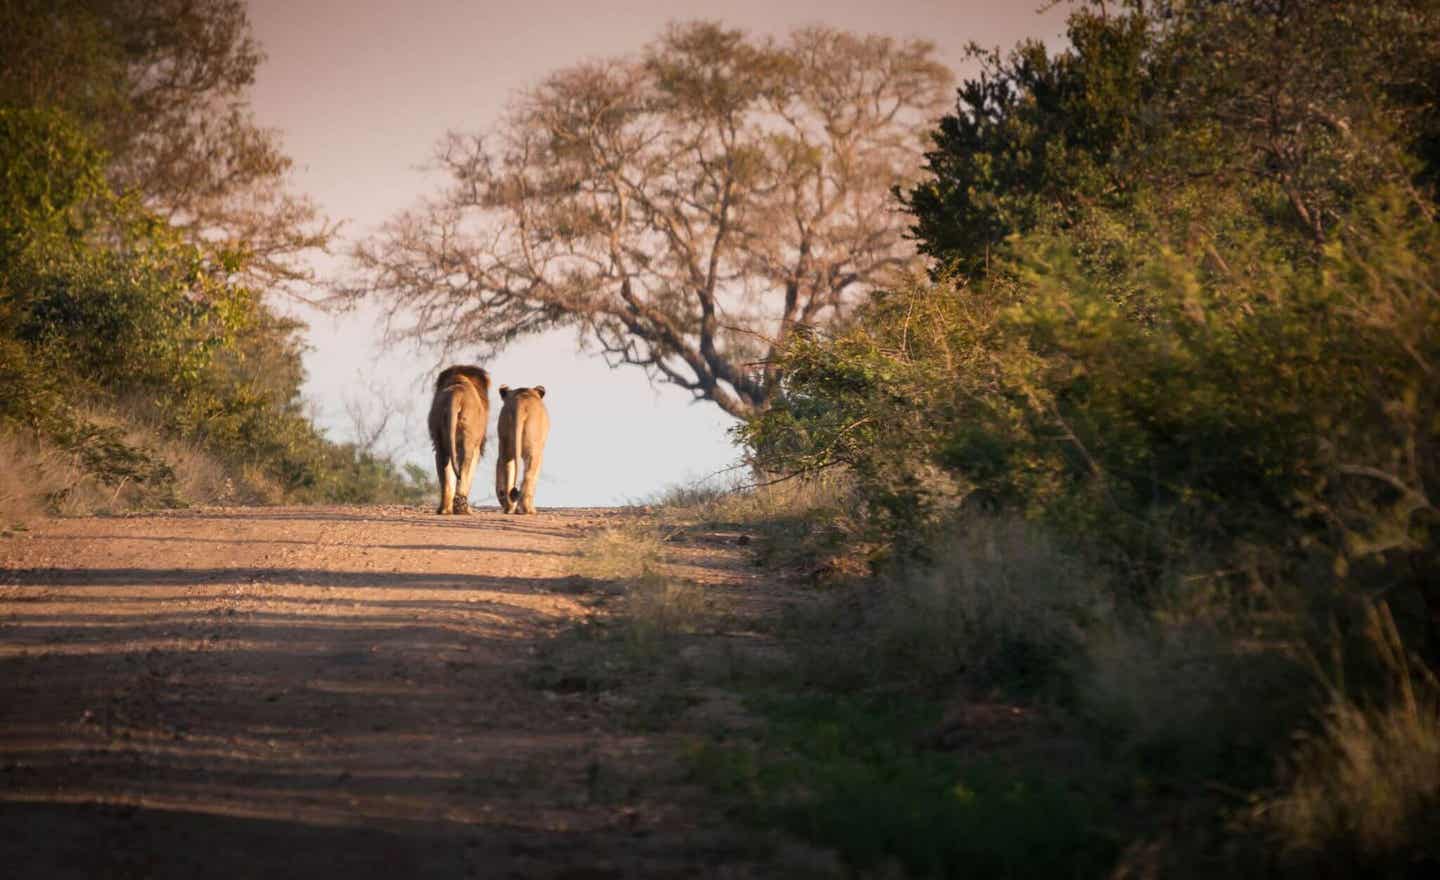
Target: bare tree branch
x,y
685,209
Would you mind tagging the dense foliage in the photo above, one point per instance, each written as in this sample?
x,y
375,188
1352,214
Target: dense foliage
x,y
1183,317
121,328
1188,332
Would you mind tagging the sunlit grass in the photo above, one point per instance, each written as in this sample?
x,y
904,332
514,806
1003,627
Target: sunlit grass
x,y
619,553
808,526
655,604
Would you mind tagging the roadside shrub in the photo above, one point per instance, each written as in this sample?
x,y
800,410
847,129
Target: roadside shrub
x,y
1001,605
1188,698
104,305
1193,343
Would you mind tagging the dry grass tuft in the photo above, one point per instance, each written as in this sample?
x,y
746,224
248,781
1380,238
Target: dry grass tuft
x,y
45,479
620,553
803,527
1364,791
27,479
657,608
656,605
201,478
42,480
776,502
1001,604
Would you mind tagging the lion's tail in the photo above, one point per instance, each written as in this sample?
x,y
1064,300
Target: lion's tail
x,y
511,444
454,451
452,422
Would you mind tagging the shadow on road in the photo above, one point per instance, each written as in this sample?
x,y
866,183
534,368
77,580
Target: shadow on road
x,y
298,721
147,578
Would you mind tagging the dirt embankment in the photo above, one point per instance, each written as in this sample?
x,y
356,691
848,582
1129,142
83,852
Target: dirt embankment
x,y
321,692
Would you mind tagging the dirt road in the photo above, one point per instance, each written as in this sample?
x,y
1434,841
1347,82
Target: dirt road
x,y
319,692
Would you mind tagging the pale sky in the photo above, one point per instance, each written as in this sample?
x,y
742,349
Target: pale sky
x,y
362,89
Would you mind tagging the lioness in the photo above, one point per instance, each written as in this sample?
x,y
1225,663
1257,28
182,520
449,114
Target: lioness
x,y
524,425
457,431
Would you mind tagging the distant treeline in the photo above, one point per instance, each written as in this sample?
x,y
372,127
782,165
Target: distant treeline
x,y
143,220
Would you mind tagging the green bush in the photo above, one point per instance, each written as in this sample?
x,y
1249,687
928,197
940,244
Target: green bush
x,y
1000,607
103,303
1183,320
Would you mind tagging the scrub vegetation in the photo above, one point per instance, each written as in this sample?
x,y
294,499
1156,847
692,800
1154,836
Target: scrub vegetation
x,y
144,220
1131,563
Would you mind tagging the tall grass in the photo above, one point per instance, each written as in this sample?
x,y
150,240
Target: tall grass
x,y
736,502
1002,605
619,553
118,457
99,468
806,524
1191,701
844,759
1174,711
655,604
30,475
1362,796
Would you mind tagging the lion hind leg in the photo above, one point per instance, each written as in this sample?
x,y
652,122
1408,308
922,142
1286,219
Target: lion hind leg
x,y
446,475
467,474
501,492
510,495
508,435
532,476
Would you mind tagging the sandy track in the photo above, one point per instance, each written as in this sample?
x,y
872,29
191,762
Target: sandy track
x,y
310,692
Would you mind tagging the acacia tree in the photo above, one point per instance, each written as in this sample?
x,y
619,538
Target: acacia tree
x,y
687,210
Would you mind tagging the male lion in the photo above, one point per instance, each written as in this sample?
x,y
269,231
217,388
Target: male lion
x,y
457,431
524,425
